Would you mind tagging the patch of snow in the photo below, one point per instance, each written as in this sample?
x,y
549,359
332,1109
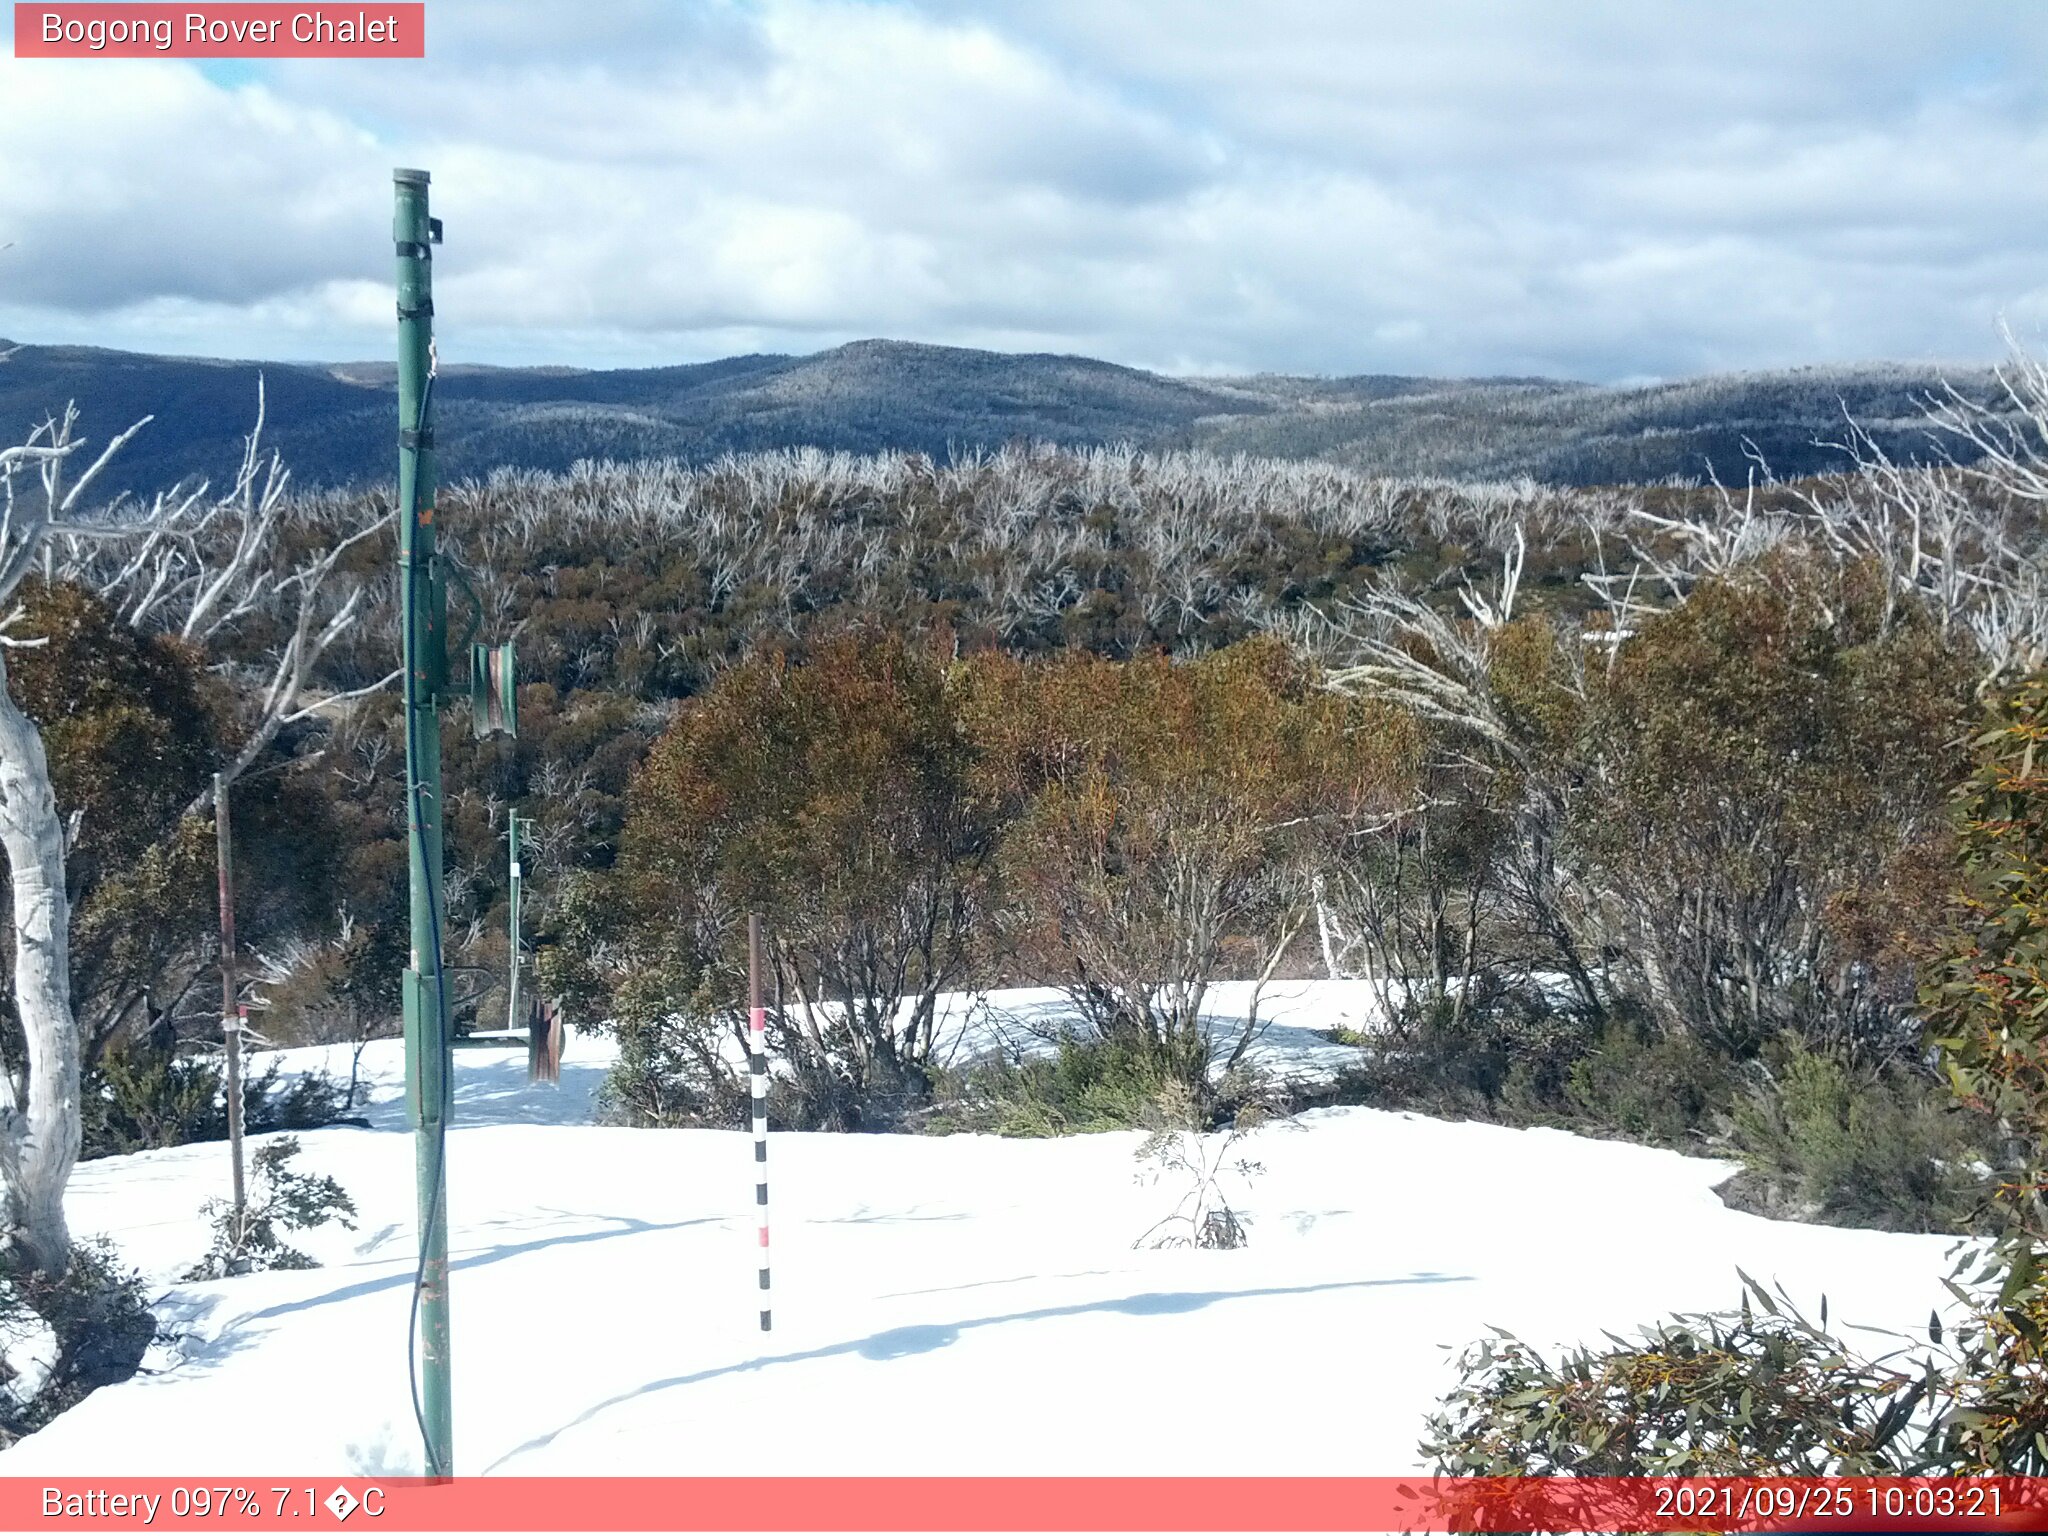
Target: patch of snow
x,y
964,1304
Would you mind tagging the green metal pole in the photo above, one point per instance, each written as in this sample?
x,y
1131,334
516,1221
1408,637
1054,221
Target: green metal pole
x,y
425,608
512,983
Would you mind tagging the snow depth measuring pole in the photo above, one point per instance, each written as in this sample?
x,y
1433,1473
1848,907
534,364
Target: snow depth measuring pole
x,y
424,602
757,1041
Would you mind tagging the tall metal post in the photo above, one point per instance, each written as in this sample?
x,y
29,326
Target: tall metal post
x,y
512,1020
429,1063
230,1011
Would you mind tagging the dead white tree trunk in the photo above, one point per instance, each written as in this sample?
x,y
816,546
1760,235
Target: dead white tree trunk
x,y
39,1133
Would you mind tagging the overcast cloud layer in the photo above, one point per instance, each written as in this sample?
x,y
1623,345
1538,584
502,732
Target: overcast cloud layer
x,y
1600,191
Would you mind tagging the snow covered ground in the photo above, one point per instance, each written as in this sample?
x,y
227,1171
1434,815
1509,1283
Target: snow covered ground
x,y
1290,1035
960,1305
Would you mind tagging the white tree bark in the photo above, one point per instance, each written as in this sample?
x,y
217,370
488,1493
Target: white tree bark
x,y
1328,934
39,1142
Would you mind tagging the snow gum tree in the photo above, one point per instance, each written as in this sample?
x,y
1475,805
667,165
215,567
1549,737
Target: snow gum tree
x,y
832,794
38,1143
202,570
1720,820
1771,758
1168,820
39,1131
131,733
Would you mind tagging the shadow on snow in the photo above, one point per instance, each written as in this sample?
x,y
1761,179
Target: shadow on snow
x,y
918,1339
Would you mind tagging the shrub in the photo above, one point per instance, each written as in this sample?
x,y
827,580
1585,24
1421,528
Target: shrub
x,y
669,1074
63,1338
1763,1391
309,1101
1986,1003
833,794
1500,1052
1085,1085
1163,819
1868,1147
1180,1154
1663,1089
343,990
141,1098
281,1199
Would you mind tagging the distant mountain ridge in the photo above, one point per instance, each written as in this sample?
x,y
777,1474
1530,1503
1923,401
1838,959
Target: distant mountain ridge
x,y
336,423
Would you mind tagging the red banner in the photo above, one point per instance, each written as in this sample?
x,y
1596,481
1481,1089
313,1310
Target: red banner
x,y
1843,1505
217,31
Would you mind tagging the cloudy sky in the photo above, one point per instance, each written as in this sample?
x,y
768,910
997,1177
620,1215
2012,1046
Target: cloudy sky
x,y
1604,191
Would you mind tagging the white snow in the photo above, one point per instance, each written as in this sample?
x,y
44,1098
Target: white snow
x,y
1290,1035
961,1305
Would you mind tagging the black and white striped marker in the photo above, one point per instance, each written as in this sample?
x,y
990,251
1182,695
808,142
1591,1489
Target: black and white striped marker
x,y
757,1033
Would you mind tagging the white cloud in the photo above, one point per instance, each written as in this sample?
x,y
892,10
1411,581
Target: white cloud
x,y
1331,185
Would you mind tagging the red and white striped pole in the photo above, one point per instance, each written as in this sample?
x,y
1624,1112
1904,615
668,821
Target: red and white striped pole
x,y
757,1035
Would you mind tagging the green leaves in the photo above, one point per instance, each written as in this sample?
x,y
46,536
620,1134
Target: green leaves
x,y
282,1199
1985,1000
1759,1391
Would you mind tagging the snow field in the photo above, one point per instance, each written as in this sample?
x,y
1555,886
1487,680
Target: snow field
x,y
960,1305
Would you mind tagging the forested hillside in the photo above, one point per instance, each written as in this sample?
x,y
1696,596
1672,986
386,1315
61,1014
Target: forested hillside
x,y
334,424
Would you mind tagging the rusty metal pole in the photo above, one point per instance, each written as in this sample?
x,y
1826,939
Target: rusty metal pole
x,y
230,1010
